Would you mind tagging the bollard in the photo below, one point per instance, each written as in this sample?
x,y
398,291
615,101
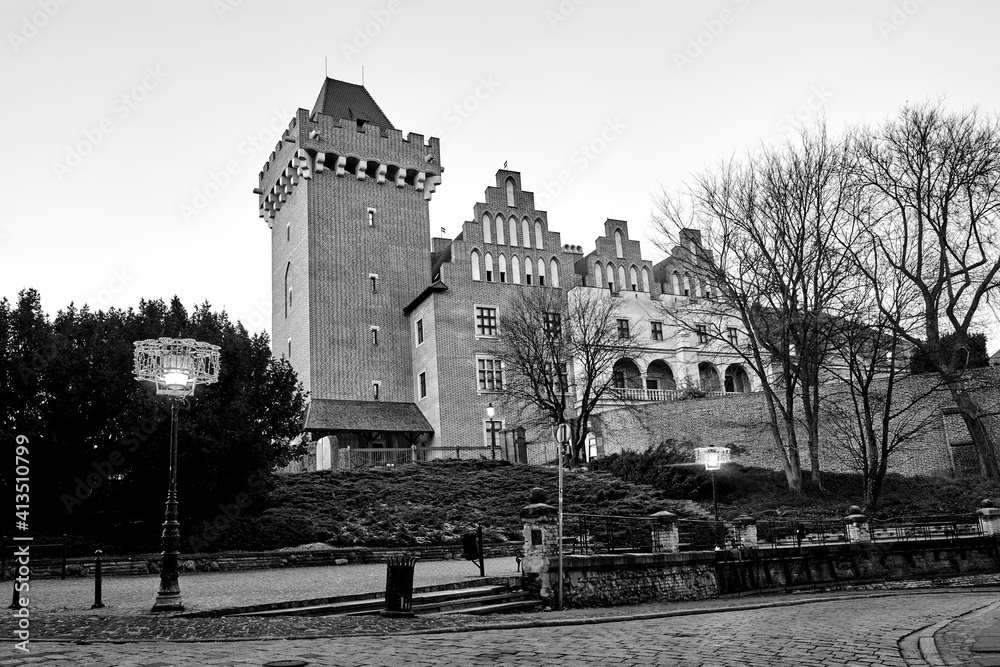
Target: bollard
x,y
97,580
16,601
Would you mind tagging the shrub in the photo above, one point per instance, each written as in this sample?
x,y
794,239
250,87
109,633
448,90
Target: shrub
x,y
667,467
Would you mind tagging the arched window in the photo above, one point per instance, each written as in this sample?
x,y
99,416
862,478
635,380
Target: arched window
x,y
512,229
525,233
541,272
539,239
487,228
475,265
502,268
500,224
610,277
515,270
675,283
510,192
619,250
598,274
288,287
527,271
621,278
554,272
633,279
687,285
489,267
645,279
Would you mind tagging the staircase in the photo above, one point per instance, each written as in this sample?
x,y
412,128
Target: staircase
x,y
492,598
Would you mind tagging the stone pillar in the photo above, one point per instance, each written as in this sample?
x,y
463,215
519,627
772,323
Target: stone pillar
x,y
989,518
745,528
541,543
857,526
665,536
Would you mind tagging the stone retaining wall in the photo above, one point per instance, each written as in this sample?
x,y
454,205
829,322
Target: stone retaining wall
x,y
141,564
612,579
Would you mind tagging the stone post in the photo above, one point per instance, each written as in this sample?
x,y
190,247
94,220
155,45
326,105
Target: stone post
x,y
857,526
989,518
745,528
665,536
541,543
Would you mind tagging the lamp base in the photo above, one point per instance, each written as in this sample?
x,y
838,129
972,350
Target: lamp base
x,y
168,602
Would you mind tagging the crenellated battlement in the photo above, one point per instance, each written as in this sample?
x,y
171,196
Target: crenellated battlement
x,y
311,146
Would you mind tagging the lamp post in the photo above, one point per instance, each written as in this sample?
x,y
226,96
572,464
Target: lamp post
x,y
713,458
491,412
176,366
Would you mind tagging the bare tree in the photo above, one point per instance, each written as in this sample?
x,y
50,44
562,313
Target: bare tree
x,y
558,356
933,181
771,252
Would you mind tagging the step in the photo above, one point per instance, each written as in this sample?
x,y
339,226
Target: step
x,y
502,608
470,602
374,605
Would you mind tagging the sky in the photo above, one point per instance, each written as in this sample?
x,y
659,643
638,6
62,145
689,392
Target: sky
x,y
134,131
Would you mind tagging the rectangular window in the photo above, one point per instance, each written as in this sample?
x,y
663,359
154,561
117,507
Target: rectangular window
x,y
420,331
702,333
373,277
623,328
563,382
371,217
552,324
492,429
733,335
422,385
486,321
376,389
490,373
374,335
657,330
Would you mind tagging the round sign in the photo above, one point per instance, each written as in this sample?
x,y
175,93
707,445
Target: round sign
x,y
562,433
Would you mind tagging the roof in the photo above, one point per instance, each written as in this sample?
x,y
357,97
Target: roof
x,y
436,286
334,415
340,99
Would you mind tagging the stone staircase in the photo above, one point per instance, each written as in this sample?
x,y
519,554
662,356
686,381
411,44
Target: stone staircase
x,y
501,596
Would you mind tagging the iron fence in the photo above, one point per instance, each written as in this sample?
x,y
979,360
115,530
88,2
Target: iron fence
x,y
904,529
698,535
603,533
800,533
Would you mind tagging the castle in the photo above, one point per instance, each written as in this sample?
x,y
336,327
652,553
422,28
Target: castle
x,y
390,330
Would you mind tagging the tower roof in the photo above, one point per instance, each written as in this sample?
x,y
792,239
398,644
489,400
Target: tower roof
x,y
340,99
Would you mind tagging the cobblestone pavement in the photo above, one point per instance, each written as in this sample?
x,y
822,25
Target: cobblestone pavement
x,y
848,631
955,640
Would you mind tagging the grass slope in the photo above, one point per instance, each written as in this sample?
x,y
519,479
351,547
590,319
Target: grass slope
x,y
430,503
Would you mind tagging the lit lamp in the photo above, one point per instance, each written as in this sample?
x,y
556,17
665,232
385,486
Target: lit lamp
x,y
490,413
176,366
713,458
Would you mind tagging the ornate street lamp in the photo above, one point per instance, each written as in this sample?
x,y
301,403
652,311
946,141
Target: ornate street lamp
x,y
176,366
713,458
490,413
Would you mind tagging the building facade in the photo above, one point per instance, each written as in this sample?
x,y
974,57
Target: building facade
x,y
390,330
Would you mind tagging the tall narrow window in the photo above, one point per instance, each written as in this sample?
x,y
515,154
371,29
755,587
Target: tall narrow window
x,y
539,237
733,335
376,390
621,278
528,270
475,265
610,277
541,272
645,279
656,329
554,272
375,336
675,282
687,285
512,230
515,270
702,330
371,217
373,277
422,385
487,228
288,287
289,349
489,267
619,250
510,192
633,279
502,268
500,224
288,232
525,233
420,331
598,275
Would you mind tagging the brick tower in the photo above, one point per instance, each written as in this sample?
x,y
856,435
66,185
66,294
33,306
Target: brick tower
x,y
346,197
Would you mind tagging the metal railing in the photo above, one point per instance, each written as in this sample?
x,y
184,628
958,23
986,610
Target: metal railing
x,y
636,394
603,533
772,534
697,535
355,457
905,529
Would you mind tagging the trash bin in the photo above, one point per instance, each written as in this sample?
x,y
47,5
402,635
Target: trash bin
x,y
399,586
470,546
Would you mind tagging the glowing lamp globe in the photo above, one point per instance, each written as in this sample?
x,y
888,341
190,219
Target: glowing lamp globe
x,y
711,457
176,365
